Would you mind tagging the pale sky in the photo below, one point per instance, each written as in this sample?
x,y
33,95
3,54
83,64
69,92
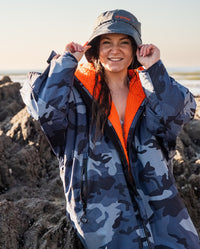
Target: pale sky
x,y
30,29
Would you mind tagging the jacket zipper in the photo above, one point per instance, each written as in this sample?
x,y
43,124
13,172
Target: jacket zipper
x,y
136,119
130,183
134,124
146,234
84,188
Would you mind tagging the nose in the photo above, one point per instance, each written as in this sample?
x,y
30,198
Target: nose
x,y
115,48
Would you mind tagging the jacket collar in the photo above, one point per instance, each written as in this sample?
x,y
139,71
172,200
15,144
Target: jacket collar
x,y
86,75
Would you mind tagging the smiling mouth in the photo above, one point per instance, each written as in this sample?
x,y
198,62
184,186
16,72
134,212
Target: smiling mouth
x,y
115,59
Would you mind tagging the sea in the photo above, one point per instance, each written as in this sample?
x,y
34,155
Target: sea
x,y
187,76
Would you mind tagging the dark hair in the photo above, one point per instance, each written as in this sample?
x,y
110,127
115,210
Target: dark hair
x,y
102,98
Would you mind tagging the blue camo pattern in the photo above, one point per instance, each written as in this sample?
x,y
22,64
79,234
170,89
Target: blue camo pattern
x,y
102,207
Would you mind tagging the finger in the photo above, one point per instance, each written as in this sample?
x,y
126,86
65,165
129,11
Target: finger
x,y
70,47
75,46
87,47
79,48
150,49
144,51
141,49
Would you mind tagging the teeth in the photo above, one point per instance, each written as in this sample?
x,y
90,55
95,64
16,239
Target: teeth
x,y
114,59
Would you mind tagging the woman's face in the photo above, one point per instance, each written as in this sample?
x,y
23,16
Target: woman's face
x,y
115,52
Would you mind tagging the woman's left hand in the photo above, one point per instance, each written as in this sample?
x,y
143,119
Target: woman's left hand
x,y
147,55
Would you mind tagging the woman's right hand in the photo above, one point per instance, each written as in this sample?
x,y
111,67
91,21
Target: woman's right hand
x,y
76,49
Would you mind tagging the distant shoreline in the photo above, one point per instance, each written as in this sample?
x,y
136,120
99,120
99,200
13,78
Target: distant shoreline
x,y
171,70
18,72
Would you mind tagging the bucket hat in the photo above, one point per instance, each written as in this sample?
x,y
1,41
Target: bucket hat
x,y
116,21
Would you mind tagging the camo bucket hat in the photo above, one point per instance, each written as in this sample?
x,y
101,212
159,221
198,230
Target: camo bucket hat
x,y
116,21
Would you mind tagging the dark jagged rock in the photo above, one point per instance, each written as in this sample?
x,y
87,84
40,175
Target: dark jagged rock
x,y
32,204
5,79
10,100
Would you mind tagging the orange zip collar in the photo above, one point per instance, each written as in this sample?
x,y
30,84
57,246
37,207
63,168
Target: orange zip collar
x,y
86,74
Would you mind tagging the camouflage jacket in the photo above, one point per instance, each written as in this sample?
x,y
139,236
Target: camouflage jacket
x,y
119,188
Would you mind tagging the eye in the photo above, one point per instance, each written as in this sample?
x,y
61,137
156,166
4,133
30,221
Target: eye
x,y
105,42
126,42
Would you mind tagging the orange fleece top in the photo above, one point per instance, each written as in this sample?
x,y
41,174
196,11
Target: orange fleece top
x,y
86,74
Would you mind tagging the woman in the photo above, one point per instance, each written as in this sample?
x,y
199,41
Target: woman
x,y
113,128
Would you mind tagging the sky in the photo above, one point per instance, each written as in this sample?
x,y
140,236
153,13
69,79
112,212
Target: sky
x,y
31,29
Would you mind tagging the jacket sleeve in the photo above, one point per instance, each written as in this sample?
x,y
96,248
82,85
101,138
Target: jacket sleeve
x,y
169,104
47,96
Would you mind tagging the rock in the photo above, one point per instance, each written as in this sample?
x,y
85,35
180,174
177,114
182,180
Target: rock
x,y
187,166
10,100
5,79
32,202
10,216
193,131
194,180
